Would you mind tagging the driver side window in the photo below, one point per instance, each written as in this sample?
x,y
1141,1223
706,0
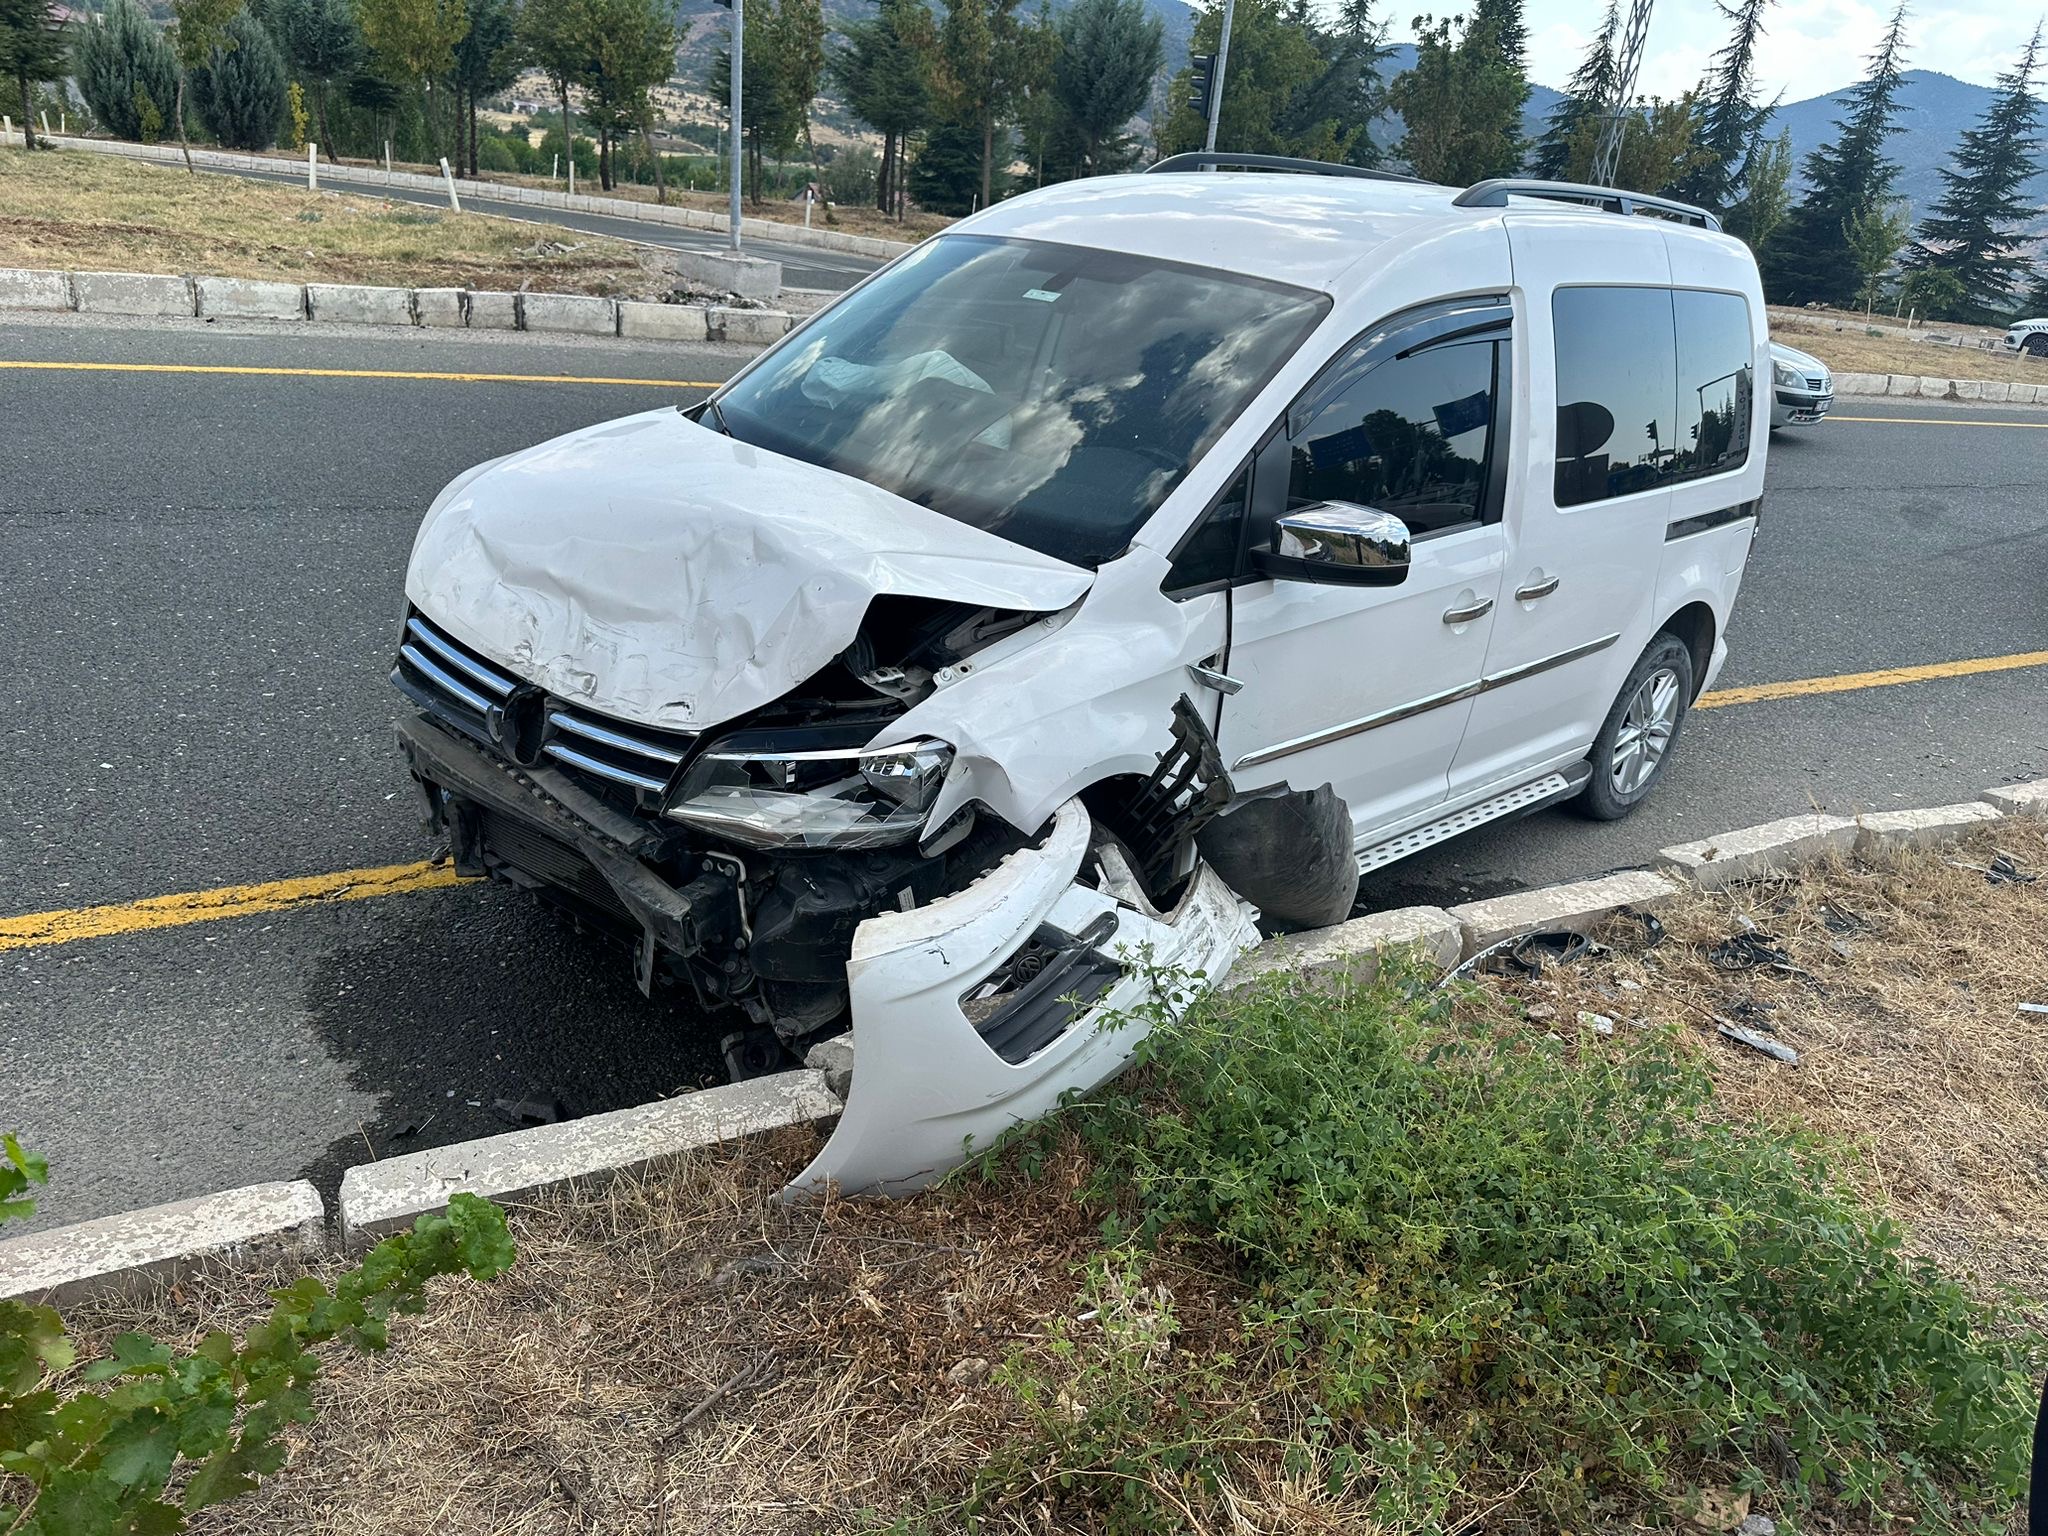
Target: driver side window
x,y
1412,434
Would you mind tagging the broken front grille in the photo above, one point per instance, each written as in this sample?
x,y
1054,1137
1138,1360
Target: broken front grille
x,y
479,696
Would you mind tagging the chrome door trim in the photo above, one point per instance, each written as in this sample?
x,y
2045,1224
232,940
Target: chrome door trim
x,y
1423,705
1544,664
1354,727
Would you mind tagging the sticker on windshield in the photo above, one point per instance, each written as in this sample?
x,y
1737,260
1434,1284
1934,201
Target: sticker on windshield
x,y
1040,294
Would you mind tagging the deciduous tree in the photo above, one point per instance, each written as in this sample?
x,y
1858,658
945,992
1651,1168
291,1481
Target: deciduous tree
x,y
1461,103
486,61
1766,190
1274,62
199,29
414,41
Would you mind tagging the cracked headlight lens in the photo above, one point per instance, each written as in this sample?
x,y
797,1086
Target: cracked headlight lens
x,y
751,790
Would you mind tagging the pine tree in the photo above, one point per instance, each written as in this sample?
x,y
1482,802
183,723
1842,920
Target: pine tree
x,y
882,71
1337,108
31,51
125,70
1977,231
486,61
1808,261
1109,50
946,175
240,94
1730,116
321,44
2035,305
1766,195
1587,95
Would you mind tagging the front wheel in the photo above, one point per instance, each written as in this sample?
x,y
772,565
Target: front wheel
x,y
2036,345
1640,731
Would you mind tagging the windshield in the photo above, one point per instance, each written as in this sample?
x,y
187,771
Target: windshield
x,y
1049,394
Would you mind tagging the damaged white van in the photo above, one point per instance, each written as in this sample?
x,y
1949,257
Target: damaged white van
x,y
1142,556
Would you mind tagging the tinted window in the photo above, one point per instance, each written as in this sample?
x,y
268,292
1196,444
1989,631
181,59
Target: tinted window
x,y
1617,394
1409,436
1653,385
1051,394
1716,380
1210,553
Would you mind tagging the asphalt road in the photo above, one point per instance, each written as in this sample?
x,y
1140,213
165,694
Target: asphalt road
x,y
803,266
202,583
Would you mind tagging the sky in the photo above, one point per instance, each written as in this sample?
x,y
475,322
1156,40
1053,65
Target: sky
x,y
1813,47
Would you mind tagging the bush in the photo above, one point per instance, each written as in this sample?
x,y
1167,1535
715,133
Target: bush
x,y
849,176
1476,1262
97,1463
125,71
241,94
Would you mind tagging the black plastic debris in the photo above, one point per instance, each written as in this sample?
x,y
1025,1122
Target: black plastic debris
x,y
1653,926
530,1111
1837,918
1525,955
1746,951
2005,870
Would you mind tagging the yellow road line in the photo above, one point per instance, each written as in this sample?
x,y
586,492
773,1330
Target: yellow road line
x,y
361,373
61,927
1944,421
1852,682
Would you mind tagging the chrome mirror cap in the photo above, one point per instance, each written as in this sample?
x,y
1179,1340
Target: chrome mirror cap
x,y
1339,544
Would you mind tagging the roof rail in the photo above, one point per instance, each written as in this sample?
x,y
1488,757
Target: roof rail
x,y
1495,194
1216,160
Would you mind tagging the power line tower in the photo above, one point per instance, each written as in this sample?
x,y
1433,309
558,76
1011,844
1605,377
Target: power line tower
x,y
1627,65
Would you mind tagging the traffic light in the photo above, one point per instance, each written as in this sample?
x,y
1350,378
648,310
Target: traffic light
x,y
1201,81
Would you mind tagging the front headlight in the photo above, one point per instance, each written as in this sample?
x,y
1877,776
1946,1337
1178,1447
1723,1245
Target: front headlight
x,y
1791,378
763,794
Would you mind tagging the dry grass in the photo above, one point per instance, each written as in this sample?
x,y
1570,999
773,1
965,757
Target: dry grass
x,y
1903,1004
681,1354
1847,346
99,212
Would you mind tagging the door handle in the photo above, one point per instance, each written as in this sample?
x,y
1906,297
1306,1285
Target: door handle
x,y
1467,612
1536,589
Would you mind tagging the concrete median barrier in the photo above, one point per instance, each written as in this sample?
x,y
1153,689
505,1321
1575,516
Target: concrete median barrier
x,y
382,1197
21,288
493,311
118,1254
756,326
1579,907
1351,951
242,298
440,307
355,304
662,322
573,314
132,293
1750,853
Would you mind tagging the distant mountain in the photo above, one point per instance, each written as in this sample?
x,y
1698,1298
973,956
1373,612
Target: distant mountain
x,y
1934,110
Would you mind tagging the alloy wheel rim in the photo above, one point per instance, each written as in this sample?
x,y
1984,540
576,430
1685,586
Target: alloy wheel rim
x,y
1647,726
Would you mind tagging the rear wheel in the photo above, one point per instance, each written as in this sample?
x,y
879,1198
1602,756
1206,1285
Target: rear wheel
x,y
1640,731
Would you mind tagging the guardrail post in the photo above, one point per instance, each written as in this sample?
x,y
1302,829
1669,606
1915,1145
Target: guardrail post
x,y
449,177
312,166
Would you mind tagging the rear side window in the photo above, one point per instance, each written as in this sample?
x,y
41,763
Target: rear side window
x,y
1653,386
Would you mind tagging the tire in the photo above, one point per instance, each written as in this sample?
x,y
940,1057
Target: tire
x,y
2036,345
1659,688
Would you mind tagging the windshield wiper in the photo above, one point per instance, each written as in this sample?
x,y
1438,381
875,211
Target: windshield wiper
x,y
711,409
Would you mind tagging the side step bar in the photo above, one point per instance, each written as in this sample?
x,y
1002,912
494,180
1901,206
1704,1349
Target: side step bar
x,y
1519,801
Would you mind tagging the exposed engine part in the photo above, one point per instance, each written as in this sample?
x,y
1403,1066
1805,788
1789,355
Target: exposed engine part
x,y
1162,817
903,641
1288,853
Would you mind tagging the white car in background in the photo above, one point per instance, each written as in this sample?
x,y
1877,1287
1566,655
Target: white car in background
x,y
1802,388
2028,336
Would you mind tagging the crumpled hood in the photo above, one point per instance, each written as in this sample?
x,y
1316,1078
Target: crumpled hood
x,y
663,573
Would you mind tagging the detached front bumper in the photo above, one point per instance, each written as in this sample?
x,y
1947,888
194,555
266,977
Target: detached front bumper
x,y
930,1085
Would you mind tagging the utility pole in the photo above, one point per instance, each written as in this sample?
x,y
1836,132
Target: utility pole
x,y
1627,65
1216,84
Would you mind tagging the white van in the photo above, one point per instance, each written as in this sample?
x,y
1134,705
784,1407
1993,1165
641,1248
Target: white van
x,y
1142,555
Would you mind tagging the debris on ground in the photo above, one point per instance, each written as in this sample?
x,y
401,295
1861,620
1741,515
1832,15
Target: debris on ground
x,y
1757,1042
525,1112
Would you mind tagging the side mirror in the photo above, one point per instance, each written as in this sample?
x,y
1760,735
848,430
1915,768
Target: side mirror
x,y
1337,544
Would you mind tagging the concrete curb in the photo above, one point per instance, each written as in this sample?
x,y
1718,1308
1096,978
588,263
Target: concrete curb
x,y
1908,386
267,1221
121,1253
378,1198
538,197
149,293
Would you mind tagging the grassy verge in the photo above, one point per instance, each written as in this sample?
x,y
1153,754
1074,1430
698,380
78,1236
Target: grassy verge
x,y
102,213
1392,1259
1852,347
